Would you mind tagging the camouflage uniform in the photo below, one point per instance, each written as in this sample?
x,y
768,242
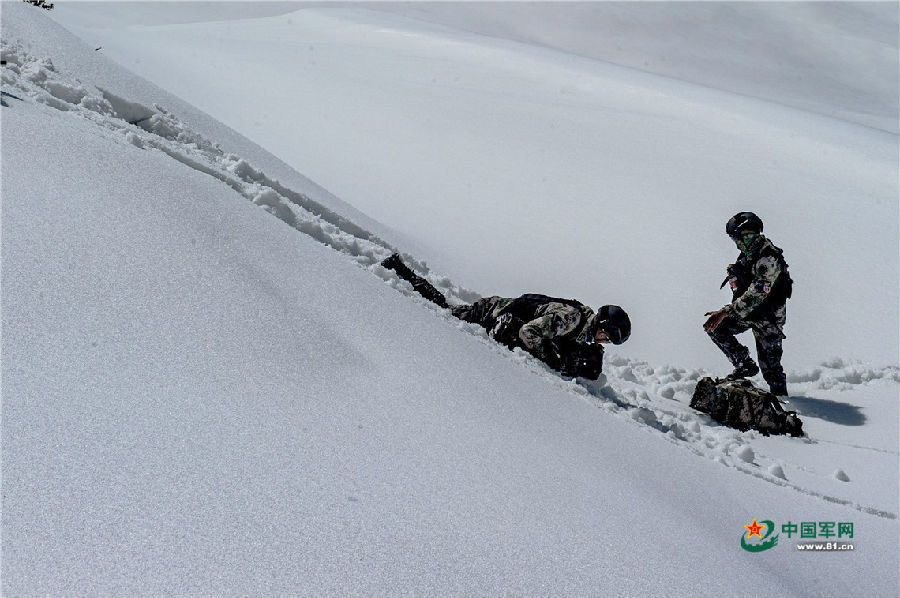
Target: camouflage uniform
x,y
759,305
547,321
553,330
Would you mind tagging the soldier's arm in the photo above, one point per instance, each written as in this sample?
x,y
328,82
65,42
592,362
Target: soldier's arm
x,y
554,319
765,272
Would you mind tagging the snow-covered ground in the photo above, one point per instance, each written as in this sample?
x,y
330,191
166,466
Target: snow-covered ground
x,y
211,387
513,168
834,58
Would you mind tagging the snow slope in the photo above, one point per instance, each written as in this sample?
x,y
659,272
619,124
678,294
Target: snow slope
x,y
833,58
202,397
512,168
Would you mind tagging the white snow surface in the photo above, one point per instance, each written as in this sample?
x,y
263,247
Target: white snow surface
x,y
513,168
210,386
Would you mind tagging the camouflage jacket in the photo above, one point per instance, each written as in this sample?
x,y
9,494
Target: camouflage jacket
x,y
547,327
554,321
763,282
546,319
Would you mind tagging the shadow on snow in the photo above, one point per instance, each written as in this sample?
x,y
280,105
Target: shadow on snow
x,y
830,411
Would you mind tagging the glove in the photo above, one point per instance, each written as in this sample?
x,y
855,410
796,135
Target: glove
x,y
577,359
506,331
732,275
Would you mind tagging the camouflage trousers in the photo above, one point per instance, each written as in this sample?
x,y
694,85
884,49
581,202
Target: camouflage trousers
x,y
768,333
484,311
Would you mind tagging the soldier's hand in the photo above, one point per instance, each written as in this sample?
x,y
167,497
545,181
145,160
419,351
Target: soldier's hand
x,y
715,318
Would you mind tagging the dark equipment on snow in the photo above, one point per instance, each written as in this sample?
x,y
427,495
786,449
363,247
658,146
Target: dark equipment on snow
x,y
743,221
741,405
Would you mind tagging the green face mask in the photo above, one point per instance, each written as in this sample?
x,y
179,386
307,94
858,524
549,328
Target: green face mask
x,y
748,242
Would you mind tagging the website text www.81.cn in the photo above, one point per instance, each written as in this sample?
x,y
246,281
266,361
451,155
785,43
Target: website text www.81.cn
x,y
824,546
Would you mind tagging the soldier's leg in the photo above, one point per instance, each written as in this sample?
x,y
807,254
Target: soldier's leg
x,y
463,312
483,312
486,312
419,284
725,338
769,337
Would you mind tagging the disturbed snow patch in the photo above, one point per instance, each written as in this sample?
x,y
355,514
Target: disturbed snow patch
x,y
154,128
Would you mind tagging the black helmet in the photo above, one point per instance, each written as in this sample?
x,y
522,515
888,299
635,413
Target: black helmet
x,y
613,320
743,221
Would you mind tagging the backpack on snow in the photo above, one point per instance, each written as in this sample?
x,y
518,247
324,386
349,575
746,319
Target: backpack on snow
x,y
741,405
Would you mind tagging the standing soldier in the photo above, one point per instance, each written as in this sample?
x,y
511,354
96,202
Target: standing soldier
x,y
761,286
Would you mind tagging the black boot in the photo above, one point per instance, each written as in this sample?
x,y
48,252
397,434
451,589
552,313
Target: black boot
x,y
744,369
393,262
422,286
779,389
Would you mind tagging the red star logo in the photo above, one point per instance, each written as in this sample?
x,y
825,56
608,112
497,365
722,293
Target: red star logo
x,y
754,529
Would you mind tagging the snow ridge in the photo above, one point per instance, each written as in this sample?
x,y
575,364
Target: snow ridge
x,y
653,397
155,128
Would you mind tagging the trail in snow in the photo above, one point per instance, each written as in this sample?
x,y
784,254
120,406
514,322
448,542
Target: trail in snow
x,y
154,128
654,397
